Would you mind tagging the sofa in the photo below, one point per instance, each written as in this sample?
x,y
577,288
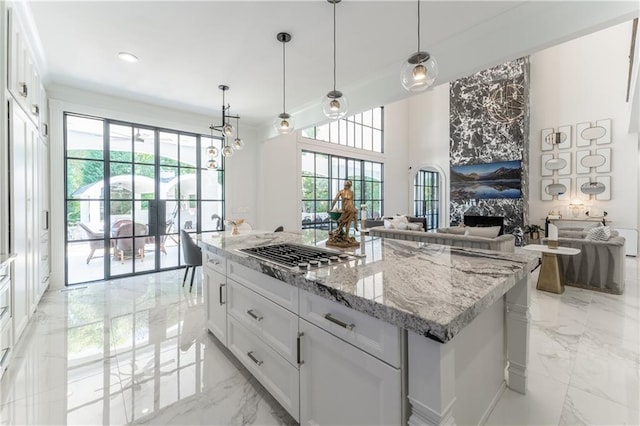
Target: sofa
x,y
451,236
599,266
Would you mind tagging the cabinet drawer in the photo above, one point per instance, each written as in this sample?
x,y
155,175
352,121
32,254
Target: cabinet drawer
x,y
215,262
275,290
279,377
275,325
372,335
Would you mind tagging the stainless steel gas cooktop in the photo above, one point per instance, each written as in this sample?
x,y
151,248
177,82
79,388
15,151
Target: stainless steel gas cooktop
x,y
297,256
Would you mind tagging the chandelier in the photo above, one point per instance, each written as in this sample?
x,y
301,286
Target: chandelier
x,y
226,129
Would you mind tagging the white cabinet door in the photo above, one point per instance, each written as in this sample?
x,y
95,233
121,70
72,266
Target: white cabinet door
x,y
215,285
21,217
340,384
17,78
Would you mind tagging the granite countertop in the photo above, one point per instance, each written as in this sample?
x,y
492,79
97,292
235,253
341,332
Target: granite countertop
x,y
6,258
430,289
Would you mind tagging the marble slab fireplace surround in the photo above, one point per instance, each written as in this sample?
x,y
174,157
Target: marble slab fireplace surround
x,y
137,350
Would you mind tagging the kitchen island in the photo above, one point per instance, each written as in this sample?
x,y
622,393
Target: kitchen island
x,y
399,333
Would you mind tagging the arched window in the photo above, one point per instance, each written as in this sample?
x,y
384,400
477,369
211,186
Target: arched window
x,y
426,197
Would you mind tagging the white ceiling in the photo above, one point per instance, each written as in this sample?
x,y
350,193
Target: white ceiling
x,y
187,49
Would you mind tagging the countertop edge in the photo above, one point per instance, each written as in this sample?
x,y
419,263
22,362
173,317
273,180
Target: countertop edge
x,y
393,315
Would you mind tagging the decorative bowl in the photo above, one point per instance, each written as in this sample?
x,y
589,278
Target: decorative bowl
x,y
335,215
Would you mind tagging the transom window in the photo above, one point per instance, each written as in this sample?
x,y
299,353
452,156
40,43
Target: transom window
x,y
361,131
426,197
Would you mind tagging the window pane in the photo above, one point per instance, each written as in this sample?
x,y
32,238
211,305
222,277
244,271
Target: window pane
x,y
168,183
121,182
212,184
307,163
333,133
144,182
188,151
322,165
212,212
377,118
85,220
169,148
120,143
85,179
144,142
85,138
367,118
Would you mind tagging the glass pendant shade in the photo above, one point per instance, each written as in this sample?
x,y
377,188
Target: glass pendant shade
x,y
212,151
284,123
419,72
335,105
212,164
227,129
227,151
238,144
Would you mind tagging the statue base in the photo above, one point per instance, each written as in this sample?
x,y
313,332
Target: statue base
x,y
342,241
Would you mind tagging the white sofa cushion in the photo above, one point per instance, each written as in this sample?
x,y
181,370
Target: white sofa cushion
x,y
599,233
482,231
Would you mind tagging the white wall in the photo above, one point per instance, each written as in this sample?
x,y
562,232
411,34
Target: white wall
x,y
240,175
585,80
429,139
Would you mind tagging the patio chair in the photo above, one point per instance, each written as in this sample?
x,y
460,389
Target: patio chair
x,y
97,240
131,245
192,255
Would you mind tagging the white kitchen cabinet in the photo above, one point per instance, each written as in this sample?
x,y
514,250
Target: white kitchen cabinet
x,y
275,373
341,384
275,325
21,149
215,284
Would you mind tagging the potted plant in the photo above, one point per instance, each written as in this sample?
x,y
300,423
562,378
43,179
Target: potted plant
x,y
534,231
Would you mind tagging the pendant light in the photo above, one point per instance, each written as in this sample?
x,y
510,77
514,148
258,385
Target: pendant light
x,y
334,104
212,152
225,128
284,123
238,143
421,69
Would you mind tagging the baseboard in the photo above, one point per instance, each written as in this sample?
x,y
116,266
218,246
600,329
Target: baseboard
x,y
494,401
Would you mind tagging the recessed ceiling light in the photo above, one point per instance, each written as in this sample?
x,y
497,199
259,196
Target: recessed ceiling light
x,y
128,57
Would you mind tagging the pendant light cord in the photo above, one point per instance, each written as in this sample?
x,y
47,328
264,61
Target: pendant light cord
x,y
284,79
418,25
334,45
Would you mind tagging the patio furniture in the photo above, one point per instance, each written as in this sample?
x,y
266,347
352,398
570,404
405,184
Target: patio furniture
x,y
126,245
192,255
97,240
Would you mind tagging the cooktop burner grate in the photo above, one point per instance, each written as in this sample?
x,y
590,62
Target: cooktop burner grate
x,y
297,256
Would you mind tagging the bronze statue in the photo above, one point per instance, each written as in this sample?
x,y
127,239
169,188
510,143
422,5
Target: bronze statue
x,y
340,237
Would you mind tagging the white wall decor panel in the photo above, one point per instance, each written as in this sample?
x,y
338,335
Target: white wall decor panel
x,y
544,171
544,195
580,140
606,195
606,165
544,145
566,196
581,167
566,157
579,182
606,125
566,143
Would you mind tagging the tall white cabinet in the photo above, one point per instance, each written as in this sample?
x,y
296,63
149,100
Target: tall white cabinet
x,y
25,157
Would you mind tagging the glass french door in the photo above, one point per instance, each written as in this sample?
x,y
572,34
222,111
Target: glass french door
x,y
131,189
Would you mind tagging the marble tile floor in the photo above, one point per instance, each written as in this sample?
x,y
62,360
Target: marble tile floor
x,y
136,350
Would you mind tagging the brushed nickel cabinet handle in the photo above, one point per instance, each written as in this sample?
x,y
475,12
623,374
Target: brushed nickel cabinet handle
x,y
254,359
336,321
24,91
220,298
298,356
255,316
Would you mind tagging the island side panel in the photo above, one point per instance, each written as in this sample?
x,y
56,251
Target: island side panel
x,y
518,317
432,377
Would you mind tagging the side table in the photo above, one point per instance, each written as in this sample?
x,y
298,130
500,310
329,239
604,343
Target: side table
x,y
551,277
